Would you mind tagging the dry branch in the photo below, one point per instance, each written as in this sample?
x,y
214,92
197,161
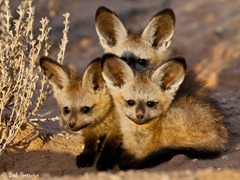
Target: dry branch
x,y
23,88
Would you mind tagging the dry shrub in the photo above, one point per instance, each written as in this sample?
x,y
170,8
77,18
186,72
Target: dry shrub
x,y
23,88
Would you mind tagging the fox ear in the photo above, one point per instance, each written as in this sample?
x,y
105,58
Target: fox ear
x,y
92,77
115,71
170,75
57,74
160,29
109,27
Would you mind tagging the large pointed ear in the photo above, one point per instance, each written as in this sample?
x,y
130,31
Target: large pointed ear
x,y
57,74
115,71
92,77
109,27
170,75
160,29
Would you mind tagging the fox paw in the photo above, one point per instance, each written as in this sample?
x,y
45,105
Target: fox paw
x,y
85,160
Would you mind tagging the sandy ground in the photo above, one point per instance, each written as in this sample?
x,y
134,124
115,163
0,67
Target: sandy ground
x,y
207,34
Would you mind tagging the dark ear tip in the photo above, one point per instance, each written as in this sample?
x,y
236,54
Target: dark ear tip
x,y
168,11
181,61
102,9
107,57
43,59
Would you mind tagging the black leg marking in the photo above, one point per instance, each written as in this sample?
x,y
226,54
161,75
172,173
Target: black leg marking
x,y
109,154
87,157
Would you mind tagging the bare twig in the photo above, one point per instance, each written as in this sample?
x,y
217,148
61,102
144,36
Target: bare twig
x,y
23,88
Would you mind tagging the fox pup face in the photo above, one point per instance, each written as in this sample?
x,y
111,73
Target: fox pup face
x,y
139,51
83,101
143,96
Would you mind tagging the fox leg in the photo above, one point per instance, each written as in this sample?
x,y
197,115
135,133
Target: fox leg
x,y
109,153
87,157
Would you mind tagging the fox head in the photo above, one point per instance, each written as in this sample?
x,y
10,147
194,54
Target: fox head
x,y
83,100
140,51
142,97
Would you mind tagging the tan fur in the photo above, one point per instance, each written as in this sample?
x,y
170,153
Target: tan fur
x,y
189,123
150,45
75,92
175,121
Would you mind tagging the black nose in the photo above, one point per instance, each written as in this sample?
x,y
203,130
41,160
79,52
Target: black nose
x,y
140,116
71,125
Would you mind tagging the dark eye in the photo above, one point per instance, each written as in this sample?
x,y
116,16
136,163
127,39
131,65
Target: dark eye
x,y
151,104
131,102
142,62
85,109
66,110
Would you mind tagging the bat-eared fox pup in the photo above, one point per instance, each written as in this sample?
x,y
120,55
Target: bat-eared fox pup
x,y
139,50
156,120
144,50
86,105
